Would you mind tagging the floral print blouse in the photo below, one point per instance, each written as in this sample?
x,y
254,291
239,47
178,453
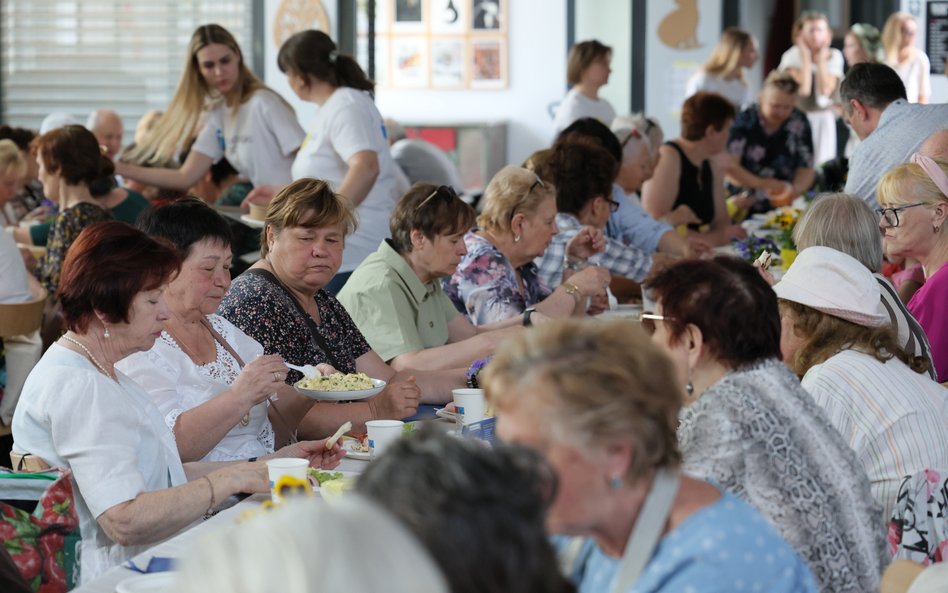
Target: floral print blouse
x,y
776,155
484,286
67,226
266,313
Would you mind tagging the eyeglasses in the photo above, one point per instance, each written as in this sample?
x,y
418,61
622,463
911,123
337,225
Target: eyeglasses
x,y
891,215
447,194
648,321
613,205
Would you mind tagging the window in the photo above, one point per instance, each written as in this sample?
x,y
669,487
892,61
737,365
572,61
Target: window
x,y
74,57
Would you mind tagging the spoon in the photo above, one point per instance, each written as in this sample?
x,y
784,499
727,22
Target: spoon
x,y
308,370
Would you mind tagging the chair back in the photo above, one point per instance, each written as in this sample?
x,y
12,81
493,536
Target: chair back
x,y
899,576
17,319
919,527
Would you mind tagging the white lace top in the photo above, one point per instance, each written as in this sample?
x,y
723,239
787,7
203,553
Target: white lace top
x,y
177,385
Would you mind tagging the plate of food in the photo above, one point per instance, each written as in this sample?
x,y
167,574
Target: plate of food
x,y
340,386
252,222
356,448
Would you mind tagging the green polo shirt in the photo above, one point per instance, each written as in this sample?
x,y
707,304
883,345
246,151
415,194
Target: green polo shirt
x,y
391,306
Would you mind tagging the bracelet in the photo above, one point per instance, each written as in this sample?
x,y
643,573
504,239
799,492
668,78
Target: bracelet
x,y
573,290
573,263
211,486
252,459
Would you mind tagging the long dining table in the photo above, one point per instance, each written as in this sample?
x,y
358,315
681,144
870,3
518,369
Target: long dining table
x,y
178,545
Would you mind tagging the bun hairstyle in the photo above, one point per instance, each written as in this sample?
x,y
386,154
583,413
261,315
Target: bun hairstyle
x,y
313,55
73,152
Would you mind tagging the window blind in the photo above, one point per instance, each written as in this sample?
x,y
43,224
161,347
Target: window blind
x,y
78,56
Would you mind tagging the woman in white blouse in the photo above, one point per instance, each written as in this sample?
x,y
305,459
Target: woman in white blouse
x,y
912,64
725,71
347,144
587,69
233,114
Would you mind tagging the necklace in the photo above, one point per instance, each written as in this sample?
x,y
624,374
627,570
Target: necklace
x,y
245,420
88,352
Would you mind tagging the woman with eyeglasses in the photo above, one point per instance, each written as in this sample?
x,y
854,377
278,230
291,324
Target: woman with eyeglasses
x,y
749,425
346,144
687,187
281,302
395,295
496,279
914,200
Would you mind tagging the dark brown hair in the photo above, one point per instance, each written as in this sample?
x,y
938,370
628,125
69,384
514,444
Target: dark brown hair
x,y
433,210
581,171
725,298
702,110
73,152
106,266
313,54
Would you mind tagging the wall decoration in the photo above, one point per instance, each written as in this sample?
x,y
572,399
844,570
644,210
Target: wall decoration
x,y
444,44
294,16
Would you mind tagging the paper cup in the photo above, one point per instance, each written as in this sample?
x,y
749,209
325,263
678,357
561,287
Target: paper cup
x,y
258,211
383,433
470,404
290,467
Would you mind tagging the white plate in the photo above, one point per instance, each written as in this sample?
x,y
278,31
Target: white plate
x,y
351,446
345,474
257,224
445,414
343,395
156,582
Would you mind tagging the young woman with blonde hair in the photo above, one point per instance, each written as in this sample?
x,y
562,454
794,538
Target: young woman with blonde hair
x,y
912,64
231,112
725,71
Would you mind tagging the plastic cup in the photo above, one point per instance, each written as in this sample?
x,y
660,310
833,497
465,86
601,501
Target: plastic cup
x,y
287,467
469,404
383,433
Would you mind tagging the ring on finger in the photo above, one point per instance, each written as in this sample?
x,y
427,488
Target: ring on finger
x,y
276,376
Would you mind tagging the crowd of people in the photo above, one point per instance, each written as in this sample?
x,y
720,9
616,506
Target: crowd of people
x,y
742,433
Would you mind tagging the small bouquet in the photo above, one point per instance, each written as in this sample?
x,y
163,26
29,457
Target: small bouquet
x,y
783,219
749,249
475,370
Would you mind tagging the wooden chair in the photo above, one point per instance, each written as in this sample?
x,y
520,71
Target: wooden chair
x,y
19,323
17,319
899,575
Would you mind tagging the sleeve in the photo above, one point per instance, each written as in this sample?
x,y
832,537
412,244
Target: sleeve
x,y
927,306
695,82
835,65
157,377
789,59
281,123
631,225
624,260
382,312
485,285
210,140
105,469
353,130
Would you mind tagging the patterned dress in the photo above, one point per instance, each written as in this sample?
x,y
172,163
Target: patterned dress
x,y
267,314
67,226
757,433
484,286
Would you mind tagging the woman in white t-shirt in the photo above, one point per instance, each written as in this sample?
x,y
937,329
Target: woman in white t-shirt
x,y
817,68
233,113
724,72
587,69
912,64
347,144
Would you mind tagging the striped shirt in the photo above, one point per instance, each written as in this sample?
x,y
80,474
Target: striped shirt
x,y
893,417
911,336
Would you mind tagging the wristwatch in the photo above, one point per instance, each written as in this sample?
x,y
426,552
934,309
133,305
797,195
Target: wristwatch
x,y
526,316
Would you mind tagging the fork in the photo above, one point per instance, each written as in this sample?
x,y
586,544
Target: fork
x,y
308,370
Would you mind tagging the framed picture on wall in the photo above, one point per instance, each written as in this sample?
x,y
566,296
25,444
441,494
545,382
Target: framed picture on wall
x,y
447,63
408,16
488,60
488,15
409,61
448,16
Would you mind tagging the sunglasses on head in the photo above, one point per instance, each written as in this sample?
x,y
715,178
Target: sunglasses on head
x,y
447,194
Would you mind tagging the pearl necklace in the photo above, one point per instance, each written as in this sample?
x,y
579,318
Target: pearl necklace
x,y
88,352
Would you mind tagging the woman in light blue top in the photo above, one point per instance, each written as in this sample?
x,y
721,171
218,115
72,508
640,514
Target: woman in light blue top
x,y
600,402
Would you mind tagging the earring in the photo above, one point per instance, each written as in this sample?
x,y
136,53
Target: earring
x,y
615,482
516,238
690,387
105,334
935,229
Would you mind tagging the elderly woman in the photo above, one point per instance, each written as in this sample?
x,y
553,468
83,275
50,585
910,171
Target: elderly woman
x,y
496,279
846,223
836,335
599,402
210,380
464,498
771,146
751,428
395,295
78,412
69,160
914,200
688,185
280,302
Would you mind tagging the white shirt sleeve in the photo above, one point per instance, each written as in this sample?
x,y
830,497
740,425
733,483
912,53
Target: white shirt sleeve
x,y
352,131
790,59
695,83
282,123
210,140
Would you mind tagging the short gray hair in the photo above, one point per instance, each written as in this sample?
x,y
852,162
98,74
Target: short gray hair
x,y
845,223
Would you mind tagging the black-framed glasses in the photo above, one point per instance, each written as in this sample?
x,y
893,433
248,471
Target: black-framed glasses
x,y
648,319
891,215
446,192
613,205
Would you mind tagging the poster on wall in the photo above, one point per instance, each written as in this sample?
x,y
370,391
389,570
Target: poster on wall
x,y
936,36
488,63
447,63
680,37
409,62
486,15
448,16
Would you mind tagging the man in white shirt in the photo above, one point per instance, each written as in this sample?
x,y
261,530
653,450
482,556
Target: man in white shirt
x,y
891,128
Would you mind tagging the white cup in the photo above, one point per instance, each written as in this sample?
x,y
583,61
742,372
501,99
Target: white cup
x,y
293,467
383,433
470,404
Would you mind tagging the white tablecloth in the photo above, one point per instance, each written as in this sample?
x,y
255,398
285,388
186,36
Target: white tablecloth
x,y
178,545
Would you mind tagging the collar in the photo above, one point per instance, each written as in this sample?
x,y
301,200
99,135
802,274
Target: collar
x,y
889,112
567,222
418,289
